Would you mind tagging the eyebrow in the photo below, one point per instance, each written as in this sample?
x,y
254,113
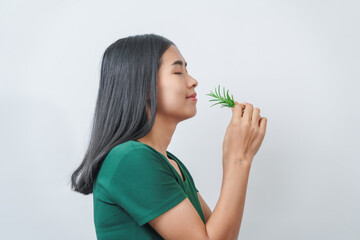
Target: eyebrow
x,y
179,62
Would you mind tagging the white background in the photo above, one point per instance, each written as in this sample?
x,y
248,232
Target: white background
x,y
298,61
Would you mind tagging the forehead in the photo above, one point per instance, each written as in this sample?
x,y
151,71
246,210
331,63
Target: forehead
x,y
171,55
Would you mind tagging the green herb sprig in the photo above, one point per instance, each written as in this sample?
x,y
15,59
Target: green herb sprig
x,y
225,101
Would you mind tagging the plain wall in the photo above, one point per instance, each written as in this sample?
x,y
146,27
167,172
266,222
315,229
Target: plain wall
x,y
298,61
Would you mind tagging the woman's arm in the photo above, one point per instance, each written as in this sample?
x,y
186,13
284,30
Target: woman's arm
x,y
206,210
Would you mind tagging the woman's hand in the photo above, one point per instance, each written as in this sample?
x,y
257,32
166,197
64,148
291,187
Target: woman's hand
x,y
244,134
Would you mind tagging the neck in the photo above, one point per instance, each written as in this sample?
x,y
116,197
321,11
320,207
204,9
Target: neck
x,y
160,134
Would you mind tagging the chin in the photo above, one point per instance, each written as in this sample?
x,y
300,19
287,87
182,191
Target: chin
x,y
193,114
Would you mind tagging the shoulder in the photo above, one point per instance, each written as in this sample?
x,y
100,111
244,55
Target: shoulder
x,y
132,155
126,148
132,160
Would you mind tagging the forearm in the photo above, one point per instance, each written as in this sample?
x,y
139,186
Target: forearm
x,y
225,221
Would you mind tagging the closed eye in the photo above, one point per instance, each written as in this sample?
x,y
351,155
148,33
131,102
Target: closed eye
x,y
178,73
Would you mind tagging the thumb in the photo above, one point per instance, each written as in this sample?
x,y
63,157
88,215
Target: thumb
x,y
232,109
236,110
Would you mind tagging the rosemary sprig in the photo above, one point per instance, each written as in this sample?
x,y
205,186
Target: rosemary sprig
x,y
225,101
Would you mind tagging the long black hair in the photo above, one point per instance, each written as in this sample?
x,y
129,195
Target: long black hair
x,y
128,87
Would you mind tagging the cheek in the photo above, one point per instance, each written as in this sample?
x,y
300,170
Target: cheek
x,y
171,94
170,99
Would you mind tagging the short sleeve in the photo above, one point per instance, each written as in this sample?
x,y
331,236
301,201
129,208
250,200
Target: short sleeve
x,y
143,185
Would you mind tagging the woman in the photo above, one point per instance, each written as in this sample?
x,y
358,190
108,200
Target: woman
x,y
141,190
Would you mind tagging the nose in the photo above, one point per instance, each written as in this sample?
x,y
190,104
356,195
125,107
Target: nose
x,y
193,81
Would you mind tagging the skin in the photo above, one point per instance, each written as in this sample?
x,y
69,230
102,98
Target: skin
x,y
172,105
242,140
174,85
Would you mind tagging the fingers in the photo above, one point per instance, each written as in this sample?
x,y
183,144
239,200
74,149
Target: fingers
x,y
255,117
237,110
248,111
263,122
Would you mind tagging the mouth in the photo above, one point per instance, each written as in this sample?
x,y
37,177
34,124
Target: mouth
x,y
193,96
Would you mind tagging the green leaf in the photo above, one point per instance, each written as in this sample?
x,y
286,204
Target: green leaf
x,y
225,101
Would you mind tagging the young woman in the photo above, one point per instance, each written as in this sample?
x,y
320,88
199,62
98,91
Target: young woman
x,y
141,190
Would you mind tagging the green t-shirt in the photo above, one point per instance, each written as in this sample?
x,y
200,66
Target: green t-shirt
x,y
136,184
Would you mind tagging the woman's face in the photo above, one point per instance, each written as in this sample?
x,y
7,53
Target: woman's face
x,y
174,86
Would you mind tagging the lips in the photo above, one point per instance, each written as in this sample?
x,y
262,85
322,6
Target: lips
x,y
192,96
